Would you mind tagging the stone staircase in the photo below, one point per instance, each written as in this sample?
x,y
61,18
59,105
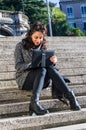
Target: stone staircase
x,y
14,103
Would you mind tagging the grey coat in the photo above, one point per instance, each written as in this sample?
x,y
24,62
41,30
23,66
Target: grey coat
x,y
23,59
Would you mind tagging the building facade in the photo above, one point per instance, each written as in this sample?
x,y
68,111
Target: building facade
x,y
13,23
75,11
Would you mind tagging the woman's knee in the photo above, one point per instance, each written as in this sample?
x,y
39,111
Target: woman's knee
x,y
52,69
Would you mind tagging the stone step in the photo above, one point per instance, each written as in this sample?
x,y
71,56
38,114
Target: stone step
x,y
75,79
9,66
5,84
10,72
5,61
17,108
8,79
67,39
10,61
62,38
11,83
67,44
16,94
51,39
60,56
60,45
55,46
81,126
6,69
76,68
41,122
59,53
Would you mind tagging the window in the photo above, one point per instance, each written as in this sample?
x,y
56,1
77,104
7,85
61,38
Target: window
x,y
83,10
69,12
84,25
73,25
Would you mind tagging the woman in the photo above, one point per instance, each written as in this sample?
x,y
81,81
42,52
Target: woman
x,y
36,79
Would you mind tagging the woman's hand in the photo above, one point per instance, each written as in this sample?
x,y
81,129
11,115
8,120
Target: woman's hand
x,y
53,59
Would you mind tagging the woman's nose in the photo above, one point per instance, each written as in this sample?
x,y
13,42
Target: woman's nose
x,y
38,40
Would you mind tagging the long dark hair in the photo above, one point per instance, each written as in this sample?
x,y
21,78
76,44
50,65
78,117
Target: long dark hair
x,y
37,26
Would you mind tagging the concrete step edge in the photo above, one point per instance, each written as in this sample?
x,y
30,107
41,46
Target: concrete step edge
x,y
51,104
16,94
75,79
45,121
81,126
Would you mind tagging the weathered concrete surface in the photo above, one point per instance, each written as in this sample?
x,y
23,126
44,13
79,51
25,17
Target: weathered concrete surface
x,y
81,126
13,93
23,106
46,121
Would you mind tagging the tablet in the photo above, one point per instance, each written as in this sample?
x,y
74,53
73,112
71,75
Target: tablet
x,y
41,58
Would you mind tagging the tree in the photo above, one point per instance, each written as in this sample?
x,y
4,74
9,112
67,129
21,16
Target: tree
x,y
60,26
11,5
34,9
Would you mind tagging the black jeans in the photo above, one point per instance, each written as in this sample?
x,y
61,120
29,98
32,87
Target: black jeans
x,y
28,84
51,74
57,80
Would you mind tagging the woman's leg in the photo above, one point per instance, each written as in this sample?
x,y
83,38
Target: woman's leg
x,y
55,92
59,82
37,87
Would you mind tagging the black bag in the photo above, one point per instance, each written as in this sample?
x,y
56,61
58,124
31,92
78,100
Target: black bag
x,y
41,58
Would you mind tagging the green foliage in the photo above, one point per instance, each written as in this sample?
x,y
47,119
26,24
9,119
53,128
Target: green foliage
x,y
36,10
60,26
57,14
76,32
11,5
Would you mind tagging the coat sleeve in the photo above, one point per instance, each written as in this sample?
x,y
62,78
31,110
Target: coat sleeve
x,y
20,64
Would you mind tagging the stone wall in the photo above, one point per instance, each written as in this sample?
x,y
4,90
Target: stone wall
x,y
13,23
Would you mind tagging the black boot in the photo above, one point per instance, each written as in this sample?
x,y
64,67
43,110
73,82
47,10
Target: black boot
x,y
57,94
74,105
35,106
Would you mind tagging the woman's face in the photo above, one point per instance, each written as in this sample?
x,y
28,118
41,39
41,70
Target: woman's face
x,y
37,38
